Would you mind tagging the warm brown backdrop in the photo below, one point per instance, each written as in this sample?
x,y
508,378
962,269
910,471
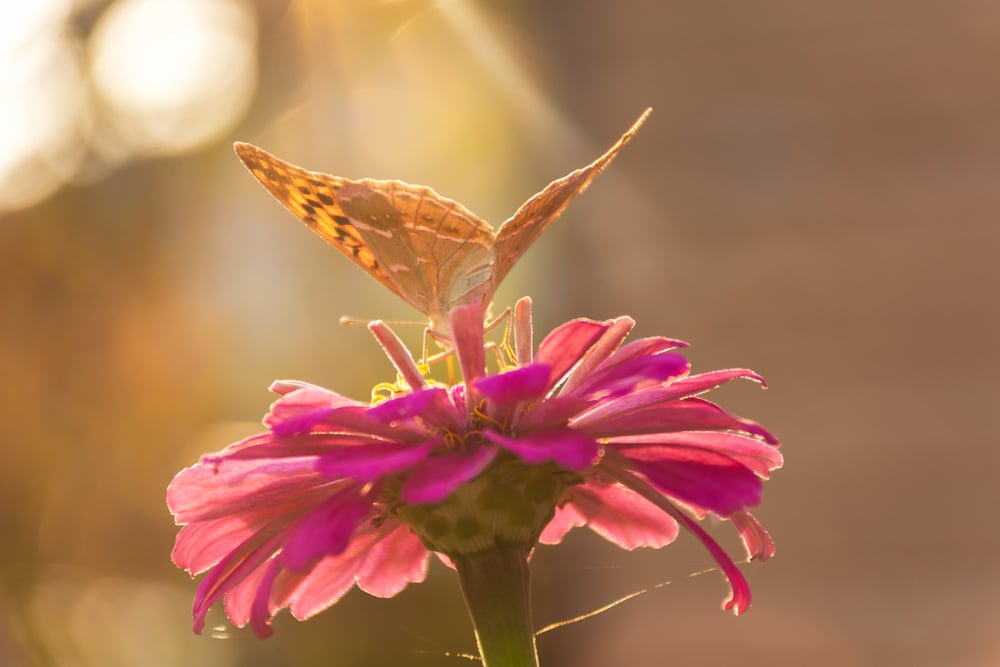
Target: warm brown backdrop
x,y
815,197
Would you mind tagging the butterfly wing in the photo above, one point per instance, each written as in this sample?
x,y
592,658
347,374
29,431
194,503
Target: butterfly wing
x,y
437,253
518,233
416,243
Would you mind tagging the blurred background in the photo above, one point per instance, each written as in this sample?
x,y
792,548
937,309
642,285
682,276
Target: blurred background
x,y
815,197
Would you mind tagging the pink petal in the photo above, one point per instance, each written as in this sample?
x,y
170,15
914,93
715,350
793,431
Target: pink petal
x,y
239,598
566,447
331,578
565,519
288,386
662,395
756,455
298,410
616,513
199,546
565,346
756,540
436,478
604,347
702,382
223,517
398,559
690,414
229,572
467,331
381,560
206,491
522,331
309,408
400,357
368,464
641,348
267,446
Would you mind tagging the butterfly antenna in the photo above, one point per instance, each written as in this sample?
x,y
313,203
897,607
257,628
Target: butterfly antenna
x,y
348,321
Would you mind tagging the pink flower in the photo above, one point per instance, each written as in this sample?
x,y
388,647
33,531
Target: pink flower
x,y
587,431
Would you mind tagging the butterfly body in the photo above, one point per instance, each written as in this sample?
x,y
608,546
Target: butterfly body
x,y
429,250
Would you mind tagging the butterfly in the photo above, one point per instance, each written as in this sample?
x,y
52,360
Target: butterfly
x,y
429,250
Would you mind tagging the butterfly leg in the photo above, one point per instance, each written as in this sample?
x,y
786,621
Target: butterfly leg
x,y
506,357
505,353
442,341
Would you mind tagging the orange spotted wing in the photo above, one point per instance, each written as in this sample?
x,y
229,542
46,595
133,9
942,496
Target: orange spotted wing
x,y
429,250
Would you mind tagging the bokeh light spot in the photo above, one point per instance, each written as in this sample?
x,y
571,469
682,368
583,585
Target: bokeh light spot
x,y
175,73
22,21
42,86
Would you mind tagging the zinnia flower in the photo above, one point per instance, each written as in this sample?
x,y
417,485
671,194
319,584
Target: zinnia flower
x,y
587,431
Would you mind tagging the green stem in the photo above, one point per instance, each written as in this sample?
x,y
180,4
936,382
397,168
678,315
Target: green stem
x,y
495,584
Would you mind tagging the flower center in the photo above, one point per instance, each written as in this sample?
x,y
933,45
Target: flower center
x,y
508,505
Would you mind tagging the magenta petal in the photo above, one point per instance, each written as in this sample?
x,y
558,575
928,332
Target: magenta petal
x,y
607,355
553,412
406,406
303,422
566,447
623,378
442,413
739,598
434,479
521,384
260,614
756,455
703,478
326,530
356,419
681,388
690,414
565,346
367,464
